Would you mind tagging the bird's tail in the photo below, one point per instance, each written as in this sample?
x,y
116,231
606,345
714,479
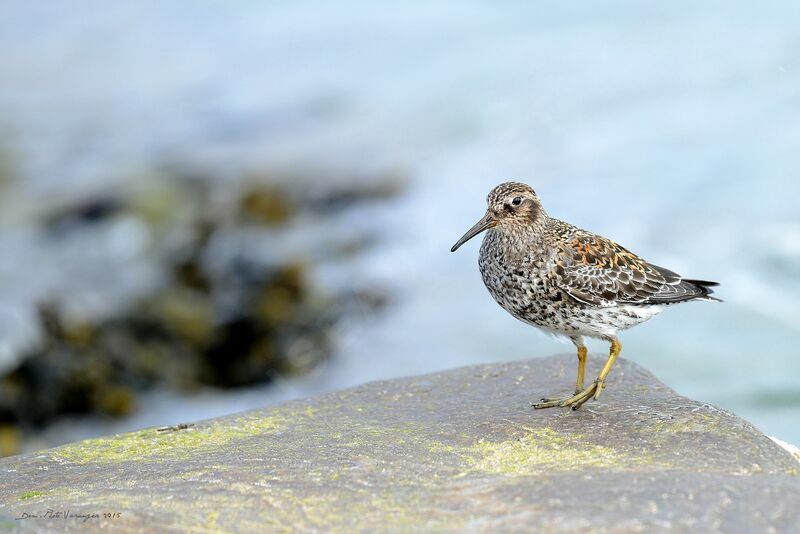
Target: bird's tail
x,y
705,288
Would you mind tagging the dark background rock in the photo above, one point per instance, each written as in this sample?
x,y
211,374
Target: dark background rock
x,y
220,313
459,450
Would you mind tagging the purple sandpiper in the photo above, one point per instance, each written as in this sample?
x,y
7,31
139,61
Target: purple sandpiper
x,y
570,282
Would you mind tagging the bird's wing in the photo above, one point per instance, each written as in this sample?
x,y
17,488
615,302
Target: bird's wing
x,y
598,272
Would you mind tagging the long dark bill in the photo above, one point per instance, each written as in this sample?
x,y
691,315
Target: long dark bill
x,y
484,224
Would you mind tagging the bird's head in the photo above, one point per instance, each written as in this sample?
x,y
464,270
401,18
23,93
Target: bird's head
x,y
510,205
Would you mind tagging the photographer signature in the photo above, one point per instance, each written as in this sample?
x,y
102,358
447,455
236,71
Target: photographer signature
x,y
68,514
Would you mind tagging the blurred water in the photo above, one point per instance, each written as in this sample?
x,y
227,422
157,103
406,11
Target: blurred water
x,y
672,128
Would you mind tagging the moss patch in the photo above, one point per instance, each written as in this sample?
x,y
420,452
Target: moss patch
x,y
169,445
694,422
361,511
545,450
31,495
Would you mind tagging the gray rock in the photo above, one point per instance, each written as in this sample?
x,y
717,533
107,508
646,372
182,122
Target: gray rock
x,y
458,450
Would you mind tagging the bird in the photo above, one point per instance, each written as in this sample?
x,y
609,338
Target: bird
x,y
570,282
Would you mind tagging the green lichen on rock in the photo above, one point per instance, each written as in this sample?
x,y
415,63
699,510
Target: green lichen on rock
x,y
42,493
695,422
544,450
540,450
30,495
161,445
358,510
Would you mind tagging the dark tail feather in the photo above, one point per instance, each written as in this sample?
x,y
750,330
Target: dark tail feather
x,y
704,286
701,283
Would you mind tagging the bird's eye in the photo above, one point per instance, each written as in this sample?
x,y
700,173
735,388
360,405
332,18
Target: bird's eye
x,y
517,201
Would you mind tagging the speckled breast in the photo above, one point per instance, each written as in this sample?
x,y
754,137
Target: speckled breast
x,y
515,277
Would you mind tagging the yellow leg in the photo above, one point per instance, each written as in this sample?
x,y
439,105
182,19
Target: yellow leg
x,y
616,348
594,389
582,351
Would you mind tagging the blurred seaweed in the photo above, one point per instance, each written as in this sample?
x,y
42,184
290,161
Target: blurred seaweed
x,y
8,163
236,303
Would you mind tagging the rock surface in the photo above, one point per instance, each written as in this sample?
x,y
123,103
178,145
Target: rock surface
x,y
458,450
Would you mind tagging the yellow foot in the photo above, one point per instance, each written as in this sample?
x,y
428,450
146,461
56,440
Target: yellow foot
x,y
576,401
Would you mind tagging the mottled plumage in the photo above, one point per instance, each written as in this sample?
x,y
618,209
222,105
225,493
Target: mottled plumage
x,y
569,281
